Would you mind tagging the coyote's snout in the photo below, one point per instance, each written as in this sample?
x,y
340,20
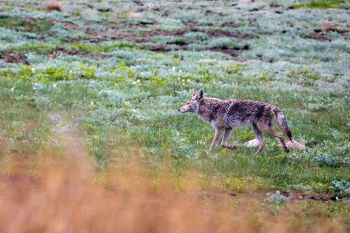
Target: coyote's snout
x,y
224,115
192,105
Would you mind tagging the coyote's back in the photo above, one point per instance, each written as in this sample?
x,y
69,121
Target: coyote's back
x,y
247,112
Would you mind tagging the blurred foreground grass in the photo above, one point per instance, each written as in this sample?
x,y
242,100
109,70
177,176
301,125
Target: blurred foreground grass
x,y
115,72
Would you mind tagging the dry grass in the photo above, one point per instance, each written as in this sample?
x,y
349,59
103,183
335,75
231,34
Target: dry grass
x,y
66,195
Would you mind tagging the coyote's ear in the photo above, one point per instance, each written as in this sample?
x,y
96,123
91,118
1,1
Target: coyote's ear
x,y
199,95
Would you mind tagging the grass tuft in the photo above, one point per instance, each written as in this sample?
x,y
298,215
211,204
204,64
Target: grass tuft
x,y
321,4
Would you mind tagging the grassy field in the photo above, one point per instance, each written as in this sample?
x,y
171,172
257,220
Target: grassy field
x,y
113,73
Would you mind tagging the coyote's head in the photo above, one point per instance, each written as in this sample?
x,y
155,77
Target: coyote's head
x,y
192,105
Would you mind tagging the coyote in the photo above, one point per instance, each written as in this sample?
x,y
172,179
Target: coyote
x,y
224,115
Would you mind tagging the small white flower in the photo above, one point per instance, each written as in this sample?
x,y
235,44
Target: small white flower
x,y
127,104
33,70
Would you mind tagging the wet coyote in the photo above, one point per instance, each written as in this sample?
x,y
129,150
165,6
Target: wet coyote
x,y
224,115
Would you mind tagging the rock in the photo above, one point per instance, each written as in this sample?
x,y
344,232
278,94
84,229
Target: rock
x,y
252,143
277,197
295,144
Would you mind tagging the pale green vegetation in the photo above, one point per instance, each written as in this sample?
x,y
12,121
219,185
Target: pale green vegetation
x,y
118,74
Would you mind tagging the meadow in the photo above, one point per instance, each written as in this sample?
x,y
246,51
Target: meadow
x,y
100,82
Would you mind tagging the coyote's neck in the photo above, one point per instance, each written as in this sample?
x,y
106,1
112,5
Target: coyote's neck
x,y
207,108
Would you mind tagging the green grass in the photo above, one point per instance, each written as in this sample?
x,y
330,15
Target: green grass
x,y
24,24
321,4
123,94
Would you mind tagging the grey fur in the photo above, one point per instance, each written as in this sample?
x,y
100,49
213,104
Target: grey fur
x,y
224,115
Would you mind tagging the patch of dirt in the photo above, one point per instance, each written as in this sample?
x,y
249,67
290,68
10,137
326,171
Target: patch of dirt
x,y
96,36
293,196
298,196
320,34
178,32
246,1
317,35
333,27
112,31
229,24
137,38
159,49
237,59
127,36
67,24
62,51
13,57
231,52
275,5
256,8
237,35
75,52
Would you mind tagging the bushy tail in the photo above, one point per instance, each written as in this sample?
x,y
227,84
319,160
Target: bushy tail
x,y
282,123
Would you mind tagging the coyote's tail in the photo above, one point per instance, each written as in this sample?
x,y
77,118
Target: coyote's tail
x,y
282,123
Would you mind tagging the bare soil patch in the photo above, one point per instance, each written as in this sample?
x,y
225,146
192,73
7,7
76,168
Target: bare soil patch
x,y
299,196
75,52
13,57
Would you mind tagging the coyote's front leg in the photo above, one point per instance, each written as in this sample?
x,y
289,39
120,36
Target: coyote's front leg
x,y
225,138
215,139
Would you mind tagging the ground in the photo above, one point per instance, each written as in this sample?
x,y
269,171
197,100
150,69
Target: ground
x,y
115,72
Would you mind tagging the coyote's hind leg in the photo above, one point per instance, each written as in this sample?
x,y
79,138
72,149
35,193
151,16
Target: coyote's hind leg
x,y
279,136
258,135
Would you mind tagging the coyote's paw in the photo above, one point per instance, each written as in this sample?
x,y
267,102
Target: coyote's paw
x,y
232,147
252,143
